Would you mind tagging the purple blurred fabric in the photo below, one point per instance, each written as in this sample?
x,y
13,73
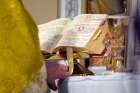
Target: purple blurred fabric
x,y
55,70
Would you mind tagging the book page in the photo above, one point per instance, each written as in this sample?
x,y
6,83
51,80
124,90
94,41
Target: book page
x,y
50,33
80,32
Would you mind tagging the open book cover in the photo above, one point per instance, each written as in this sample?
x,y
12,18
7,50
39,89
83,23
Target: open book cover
x,y
84,33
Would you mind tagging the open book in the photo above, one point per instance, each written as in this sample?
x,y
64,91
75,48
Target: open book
x,y
84,33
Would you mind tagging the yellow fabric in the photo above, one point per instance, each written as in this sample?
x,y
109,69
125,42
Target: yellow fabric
x,y
105,6
20,56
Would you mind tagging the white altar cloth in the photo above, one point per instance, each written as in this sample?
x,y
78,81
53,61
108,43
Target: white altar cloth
x,y
116,83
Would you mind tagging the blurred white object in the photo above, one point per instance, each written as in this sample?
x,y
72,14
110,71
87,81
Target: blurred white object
x,y
97,70
115,83
50,33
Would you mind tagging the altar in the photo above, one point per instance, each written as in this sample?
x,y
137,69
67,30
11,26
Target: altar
x,y
115,83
